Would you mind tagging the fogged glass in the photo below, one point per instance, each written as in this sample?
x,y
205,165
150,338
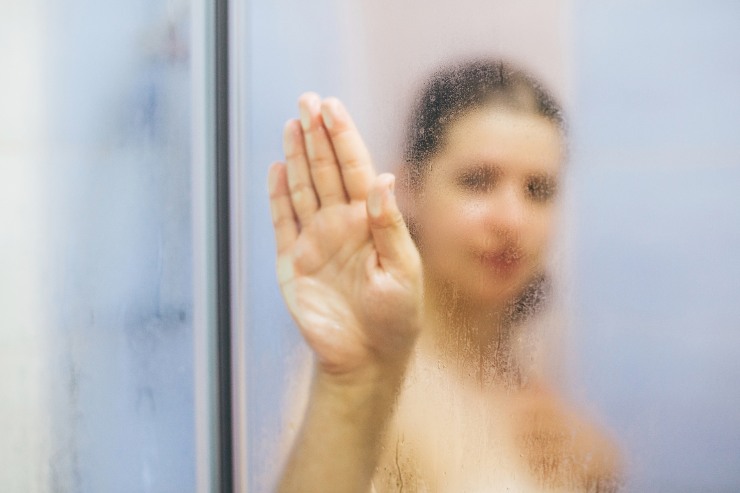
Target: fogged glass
x,y
656,170
97,336
647,251
373,57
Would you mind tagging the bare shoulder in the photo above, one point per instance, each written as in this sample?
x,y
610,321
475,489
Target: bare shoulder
x,y
561,446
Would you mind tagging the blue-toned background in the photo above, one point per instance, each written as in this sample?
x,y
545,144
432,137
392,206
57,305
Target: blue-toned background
x,y
656,174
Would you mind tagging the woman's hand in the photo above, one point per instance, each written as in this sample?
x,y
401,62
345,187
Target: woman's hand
x,y
347,267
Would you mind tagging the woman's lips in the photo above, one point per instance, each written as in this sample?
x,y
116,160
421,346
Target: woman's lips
x,y
503,262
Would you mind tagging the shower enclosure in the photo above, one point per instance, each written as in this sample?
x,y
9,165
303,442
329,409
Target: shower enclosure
x,y
144,345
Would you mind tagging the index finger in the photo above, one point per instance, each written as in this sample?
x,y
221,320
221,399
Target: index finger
x,y
354,158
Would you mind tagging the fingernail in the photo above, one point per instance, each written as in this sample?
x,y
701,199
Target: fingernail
x,y
333,110
373,204
388,194
326,116
305,118
307,107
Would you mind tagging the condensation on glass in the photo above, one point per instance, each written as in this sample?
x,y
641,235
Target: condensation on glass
x,y
96,325
372,57
649,231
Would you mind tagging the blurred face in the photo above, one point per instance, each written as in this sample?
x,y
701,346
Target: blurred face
x,y
484,212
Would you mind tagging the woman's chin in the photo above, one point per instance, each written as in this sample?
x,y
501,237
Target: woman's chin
x,y
478,292
498,295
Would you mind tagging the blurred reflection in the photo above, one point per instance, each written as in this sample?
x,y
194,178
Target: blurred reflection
x,y
475,411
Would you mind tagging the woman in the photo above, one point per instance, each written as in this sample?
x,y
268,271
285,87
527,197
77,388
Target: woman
x,y
422,382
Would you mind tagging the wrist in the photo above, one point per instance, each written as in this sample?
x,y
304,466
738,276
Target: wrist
x,y
375,377
366,362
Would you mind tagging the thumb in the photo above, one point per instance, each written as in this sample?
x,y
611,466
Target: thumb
x,y
392,240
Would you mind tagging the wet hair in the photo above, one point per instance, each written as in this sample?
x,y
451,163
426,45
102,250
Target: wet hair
x,y
454,91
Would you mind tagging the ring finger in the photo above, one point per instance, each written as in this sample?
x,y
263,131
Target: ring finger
x,y
302,193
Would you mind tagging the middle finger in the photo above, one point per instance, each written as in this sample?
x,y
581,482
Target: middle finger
x,y
327,177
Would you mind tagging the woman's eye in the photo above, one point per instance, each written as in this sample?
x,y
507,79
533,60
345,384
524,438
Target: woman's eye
x,y
479,180
541,188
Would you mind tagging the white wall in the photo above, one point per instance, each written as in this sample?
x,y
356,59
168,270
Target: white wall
x,y
24,424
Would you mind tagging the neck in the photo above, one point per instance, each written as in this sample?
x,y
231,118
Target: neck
x,y
474,341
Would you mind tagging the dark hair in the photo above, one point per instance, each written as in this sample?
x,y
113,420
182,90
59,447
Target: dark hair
x,y
456,90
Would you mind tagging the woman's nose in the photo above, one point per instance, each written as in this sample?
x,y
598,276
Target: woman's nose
x,y
506,210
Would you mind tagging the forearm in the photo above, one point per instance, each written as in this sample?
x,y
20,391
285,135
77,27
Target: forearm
x,y
339,443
